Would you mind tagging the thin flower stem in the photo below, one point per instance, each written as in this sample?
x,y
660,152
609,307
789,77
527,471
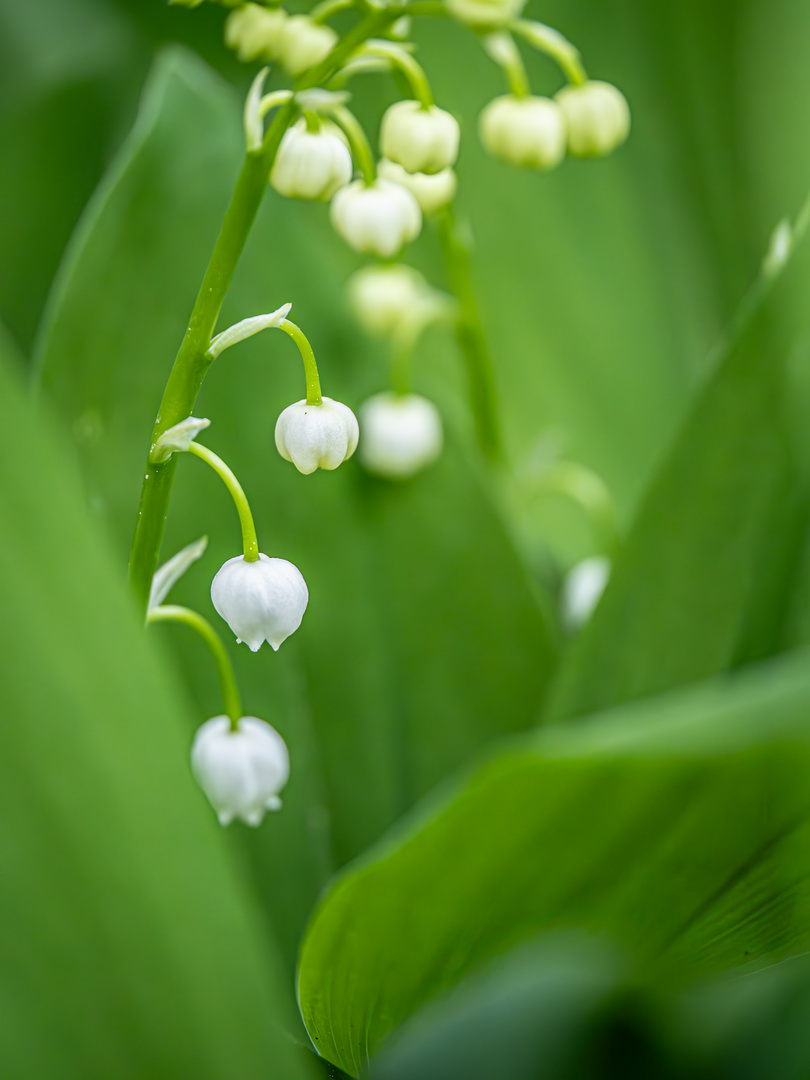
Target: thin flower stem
x,y
361,151
325,10
589,491
410,68
227,679
470,336
308,356
249,541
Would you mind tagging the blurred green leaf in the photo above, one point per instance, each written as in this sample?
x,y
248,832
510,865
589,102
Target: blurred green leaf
x,y
403,679
677,828
703,580
130,947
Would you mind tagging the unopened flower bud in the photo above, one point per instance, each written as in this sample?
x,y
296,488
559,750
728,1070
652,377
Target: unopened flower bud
x,y
255,32
528,132
311,164
582,590
597,116
261,601
317,436
419,139
242,771
305,43
485,13
378,218
431,190
399,434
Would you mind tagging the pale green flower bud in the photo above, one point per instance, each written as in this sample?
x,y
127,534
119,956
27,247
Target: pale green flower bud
x,y
261,601
317,436
582,590
431,190
255,32
485,13
419,139
384,298
528,132
242,771
597,116
311,164
378,219
400,434
305,43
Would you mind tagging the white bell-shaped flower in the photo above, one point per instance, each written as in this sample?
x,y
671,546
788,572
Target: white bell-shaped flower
x,y
378,218
385,299
485,13
261,601
311,164
399,434
528,132
305,43
317,436
255,32
582,590
597,116
419,139
431,190
242,771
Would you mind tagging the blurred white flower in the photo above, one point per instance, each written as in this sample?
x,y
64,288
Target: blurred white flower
x,y
261,601
392,301
399,434
311,164
419,139
255,32
242,771
431,190
378,218
485,13
304,43
597,117
582,590
528,132
317,436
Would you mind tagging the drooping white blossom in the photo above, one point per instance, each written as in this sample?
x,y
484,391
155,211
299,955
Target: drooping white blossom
x,y
597,117
485,13
528,132
242,771
378,218
419,139
431,190
317,436
311,164
399,434
395,302
255,32
304,43
264,600
582,590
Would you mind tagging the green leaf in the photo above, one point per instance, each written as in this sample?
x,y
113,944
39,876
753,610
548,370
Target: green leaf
x,y
702,583
676,828
130,946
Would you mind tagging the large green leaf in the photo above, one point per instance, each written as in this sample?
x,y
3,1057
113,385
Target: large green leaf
x,y
677,828
403,678
703,580
130,947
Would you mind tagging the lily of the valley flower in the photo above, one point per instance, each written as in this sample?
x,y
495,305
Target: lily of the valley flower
x,y
419,139
528,132
261,600
582,590
304,43
485,13
311,164
597,117
255,32
317,436
399,434
431,190
378,218
242,771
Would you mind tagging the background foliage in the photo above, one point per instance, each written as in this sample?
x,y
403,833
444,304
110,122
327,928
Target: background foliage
x,y
625,857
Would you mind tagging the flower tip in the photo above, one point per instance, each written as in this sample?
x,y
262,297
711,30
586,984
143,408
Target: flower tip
x,y
225,817
273,803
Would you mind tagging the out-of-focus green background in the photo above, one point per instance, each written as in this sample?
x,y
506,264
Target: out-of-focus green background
x,y
607,290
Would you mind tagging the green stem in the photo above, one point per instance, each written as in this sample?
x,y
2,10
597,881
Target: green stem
x,y
250,544
470,336
328,8
361,151
227,680
551,42
308,356
410,68
591,493
401,354
191,363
